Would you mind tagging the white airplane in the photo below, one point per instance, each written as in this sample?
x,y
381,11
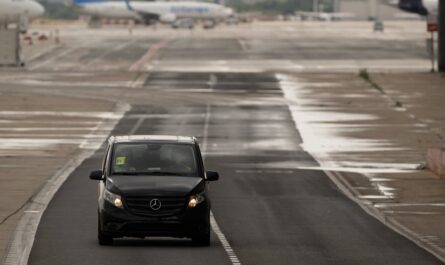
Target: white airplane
x,y
147,12
19,11
325,16
421,7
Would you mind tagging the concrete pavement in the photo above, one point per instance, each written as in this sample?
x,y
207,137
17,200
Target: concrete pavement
x,y
38,135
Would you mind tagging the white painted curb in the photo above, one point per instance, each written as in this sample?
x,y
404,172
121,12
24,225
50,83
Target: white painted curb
x,y
390,222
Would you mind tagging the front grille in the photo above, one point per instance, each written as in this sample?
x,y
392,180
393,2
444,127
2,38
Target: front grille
x,y
153,229
170,206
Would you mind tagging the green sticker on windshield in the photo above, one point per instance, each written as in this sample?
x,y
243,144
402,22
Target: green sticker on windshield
x,y
120,160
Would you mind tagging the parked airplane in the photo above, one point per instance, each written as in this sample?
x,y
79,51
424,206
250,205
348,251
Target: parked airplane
x,y
324,16
152,11
421,7
19,11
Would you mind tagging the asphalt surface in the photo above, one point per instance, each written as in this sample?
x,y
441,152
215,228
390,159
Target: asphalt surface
x,y
270,214
319,48
286,45
269,210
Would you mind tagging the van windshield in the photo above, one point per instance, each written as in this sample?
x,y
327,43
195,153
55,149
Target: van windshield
x,y
154,159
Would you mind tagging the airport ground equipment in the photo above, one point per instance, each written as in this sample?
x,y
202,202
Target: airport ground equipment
x,y
9,47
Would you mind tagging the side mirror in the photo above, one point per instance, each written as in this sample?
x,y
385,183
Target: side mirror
x,y
96,175
212,176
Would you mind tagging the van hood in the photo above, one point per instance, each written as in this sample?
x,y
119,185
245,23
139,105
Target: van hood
x,y
143,185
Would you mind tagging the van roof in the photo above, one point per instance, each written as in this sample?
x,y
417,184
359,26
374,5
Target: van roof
x,y
153,138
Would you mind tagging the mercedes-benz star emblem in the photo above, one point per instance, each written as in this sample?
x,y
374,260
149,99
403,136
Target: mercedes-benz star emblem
x,y
155,204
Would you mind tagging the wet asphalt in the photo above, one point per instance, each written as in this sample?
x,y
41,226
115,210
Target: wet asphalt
x,y
269,211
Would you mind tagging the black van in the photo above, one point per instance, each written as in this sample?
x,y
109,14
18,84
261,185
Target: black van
x,y
153,186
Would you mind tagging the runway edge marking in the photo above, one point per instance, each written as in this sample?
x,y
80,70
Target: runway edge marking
x,y
215,227
338,179
19,248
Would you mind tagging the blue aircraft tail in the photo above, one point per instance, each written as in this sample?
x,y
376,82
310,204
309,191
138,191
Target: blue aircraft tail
x,y
127,2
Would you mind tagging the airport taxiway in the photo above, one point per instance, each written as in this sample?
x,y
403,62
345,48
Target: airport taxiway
x,y
226,87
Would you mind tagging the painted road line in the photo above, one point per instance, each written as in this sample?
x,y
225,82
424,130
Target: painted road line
x,y
20,247
138,81
119,47
66,52
206,130
52,59
243,45
149,55
48,49
71,114
137,125
222,238
215,227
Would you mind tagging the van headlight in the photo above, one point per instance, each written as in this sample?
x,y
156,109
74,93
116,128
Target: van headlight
x,y
196,199
114,199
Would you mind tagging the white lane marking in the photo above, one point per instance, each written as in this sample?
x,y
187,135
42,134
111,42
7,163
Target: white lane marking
x,y
58,84
66,52
222,238
42,52
98,58
205,133
26,129
150,54
136,126
80,123
162,116
139,81
242,44
47,135
215,227
33,143
19,249
387,205
213,80
92,114
60,55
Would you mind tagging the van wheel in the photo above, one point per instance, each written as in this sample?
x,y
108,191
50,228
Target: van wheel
x,y
104,240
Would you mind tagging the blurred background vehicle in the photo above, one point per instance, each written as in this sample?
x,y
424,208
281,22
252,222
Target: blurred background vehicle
x,y
185,23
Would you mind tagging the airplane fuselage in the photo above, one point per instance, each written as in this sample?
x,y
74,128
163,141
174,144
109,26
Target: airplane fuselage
x,y
432,6
197,10
12,11
421,7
